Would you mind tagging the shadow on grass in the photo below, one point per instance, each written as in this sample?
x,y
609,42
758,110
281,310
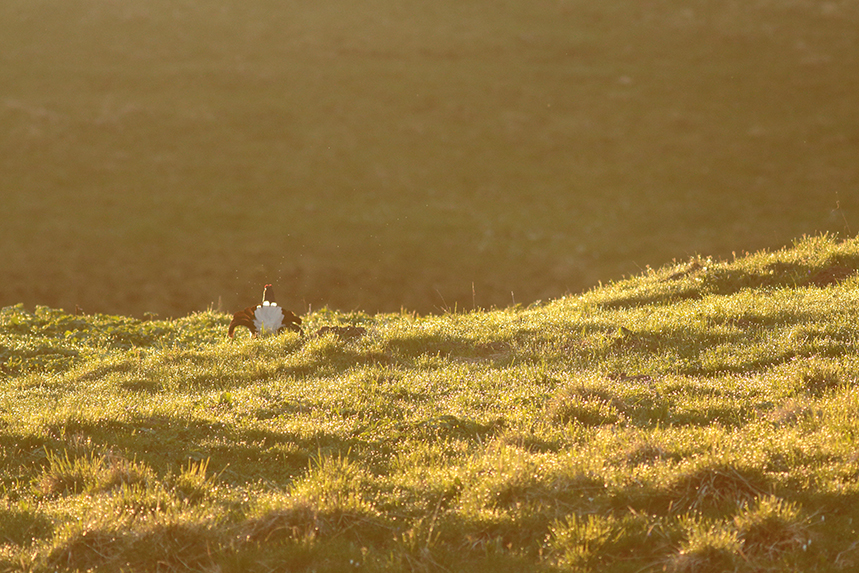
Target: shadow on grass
x,y
167,546
24,526
781,274
723,280
24,455
241,456
693,346
640,405
649,298
450,346
165,443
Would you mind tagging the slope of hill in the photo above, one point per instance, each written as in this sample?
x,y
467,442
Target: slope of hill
x,y
699,417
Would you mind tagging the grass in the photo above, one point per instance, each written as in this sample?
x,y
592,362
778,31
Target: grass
x,y
162,156
696,417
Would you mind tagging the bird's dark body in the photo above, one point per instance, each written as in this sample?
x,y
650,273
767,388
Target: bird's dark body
x,y
265,318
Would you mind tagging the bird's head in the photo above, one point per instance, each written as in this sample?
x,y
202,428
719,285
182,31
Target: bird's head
x,y
268,295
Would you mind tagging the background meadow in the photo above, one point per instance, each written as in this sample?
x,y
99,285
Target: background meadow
x,y
167,156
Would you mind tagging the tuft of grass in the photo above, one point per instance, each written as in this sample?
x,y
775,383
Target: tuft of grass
x,y
194,484
600,543
88,473
709,547
588,406
164,544
716,487
771,527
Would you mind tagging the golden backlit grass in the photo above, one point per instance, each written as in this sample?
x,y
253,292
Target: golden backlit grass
x,y
697,417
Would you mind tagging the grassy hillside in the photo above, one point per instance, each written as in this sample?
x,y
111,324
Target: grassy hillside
x,y
160,155
699,417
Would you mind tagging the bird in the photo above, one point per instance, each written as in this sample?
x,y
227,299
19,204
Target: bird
x,y
265,318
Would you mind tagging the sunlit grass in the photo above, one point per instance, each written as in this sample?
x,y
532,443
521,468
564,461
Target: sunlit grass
x,y
699,417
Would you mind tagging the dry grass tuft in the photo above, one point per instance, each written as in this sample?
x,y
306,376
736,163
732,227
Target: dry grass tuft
x,y
299,522
716,487
306,522
164,545
772,527
587,406
194,484
89,473
84,550
710,547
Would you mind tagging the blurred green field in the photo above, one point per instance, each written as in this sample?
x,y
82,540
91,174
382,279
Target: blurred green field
x,y
166,156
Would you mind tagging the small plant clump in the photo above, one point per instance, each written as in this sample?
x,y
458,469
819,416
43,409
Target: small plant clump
x,y
700,417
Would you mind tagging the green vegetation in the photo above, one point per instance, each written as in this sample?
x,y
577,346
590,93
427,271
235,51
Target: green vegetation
x,y
699,417
162,155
